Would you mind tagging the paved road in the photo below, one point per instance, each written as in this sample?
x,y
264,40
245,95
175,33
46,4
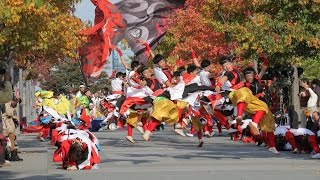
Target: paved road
x,y
167,156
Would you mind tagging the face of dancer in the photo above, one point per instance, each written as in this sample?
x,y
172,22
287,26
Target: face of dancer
x,y
82,89
249,78
147,73
228,66
88,94
91,106
195,72
176,80
162,64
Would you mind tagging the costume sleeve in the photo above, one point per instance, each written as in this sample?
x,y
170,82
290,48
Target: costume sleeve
x,y
240,108
7,93
161,77
135,79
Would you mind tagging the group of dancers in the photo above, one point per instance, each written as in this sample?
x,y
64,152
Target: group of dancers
x,y
145,97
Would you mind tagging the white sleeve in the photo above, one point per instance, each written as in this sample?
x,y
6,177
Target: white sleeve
x,y
204,78
160,76
313,95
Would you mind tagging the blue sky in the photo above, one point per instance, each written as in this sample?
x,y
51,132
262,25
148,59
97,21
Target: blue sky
x,y
85,10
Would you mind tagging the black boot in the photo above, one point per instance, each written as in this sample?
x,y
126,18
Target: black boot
x,y
14,156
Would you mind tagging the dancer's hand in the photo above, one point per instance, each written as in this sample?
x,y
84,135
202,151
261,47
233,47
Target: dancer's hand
x,y
217,89
239,120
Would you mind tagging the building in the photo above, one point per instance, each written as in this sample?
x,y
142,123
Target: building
x,y
114,62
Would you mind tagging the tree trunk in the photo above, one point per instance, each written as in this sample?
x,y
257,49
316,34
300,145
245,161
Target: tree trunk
x,y
295,109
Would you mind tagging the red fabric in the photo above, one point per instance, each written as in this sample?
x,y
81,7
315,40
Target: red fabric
x,y
238,86
54,136
271,139
120,124
117,92
168,74
136,77
180,113
219,127
107,18
147,47
223,120
213,98
129,132
158,92
85,118
179,63
290,138
313,143
192,130
32,129
259,95
199,135
120,52
130,101
193,55
264,137
240,108
57,155
65,147
234,80
153,124
187,77
94,159
219,84
257,117
45,130
144,122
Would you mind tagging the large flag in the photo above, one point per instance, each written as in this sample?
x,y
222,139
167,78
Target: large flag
x,y
145,20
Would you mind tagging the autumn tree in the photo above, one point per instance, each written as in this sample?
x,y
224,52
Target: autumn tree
x,y
39,33
190,28
67,75
288,31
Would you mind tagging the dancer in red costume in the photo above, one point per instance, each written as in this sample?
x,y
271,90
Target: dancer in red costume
x,y
258,110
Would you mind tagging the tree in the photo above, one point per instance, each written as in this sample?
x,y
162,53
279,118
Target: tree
x,y
190,28
287,31
40,33
67,76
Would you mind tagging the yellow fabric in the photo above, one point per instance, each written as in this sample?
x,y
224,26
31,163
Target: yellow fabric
x,y
165,110
254,104
267,123
63,106
182,104
72,106
48,103
133,118
46,94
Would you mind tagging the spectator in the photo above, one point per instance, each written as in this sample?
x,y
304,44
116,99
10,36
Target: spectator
x,y
312,101
315,85
82,89
10,121
6,95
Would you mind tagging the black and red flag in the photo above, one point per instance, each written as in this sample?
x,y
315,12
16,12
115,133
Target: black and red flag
x,y
131,20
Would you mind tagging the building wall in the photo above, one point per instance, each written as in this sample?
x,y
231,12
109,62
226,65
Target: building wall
x,y
114,62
